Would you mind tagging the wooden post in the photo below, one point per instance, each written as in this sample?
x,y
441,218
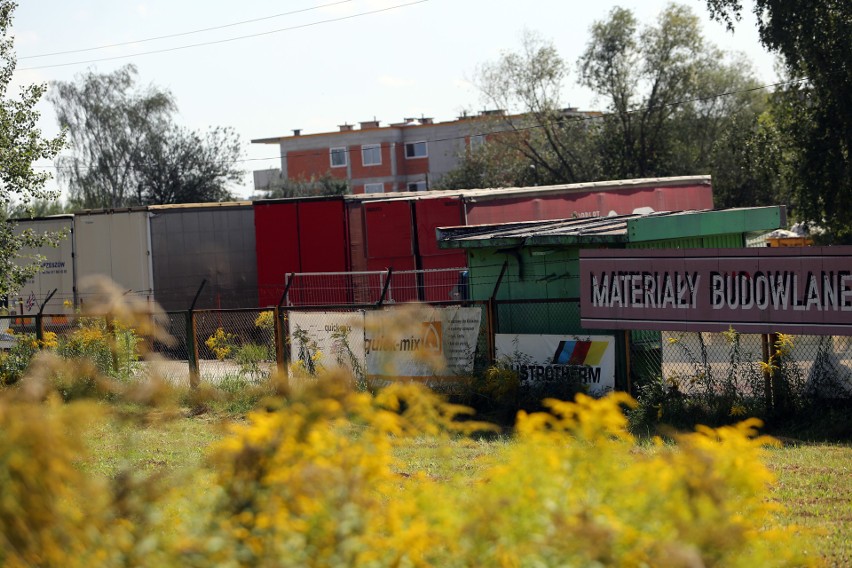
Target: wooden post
x,y
192,342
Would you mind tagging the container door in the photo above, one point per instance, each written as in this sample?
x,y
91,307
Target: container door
x,y
276,229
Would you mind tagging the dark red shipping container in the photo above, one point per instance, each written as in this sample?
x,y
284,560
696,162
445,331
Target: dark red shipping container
x,y
276,229
389,229
431,213
301,235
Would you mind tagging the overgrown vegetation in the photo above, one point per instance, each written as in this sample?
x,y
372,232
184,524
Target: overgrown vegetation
x,y
808,398
313,477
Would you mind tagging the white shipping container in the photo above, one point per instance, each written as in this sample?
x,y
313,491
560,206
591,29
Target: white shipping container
x,y
57,270
116,244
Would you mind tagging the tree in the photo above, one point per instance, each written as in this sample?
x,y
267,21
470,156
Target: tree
x,y
669,97
128,151
536,140
662,86
21,144
181,166
814,38
325,184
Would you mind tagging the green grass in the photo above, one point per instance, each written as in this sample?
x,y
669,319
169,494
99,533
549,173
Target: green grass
x,y
162,446
814,485
814,481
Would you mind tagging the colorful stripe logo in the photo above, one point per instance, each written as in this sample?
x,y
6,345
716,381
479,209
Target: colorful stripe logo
x,y
580,353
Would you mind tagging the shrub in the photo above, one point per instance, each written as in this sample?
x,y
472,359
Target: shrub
x,y
14,362
111,347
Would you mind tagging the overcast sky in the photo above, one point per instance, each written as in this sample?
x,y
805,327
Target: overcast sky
x,y
271,66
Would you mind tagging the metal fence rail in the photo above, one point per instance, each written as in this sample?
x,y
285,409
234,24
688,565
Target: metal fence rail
x,y
375,287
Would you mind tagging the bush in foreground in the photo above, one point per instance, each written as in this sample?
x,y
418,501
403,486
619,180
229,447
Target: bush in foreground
x,y
311,480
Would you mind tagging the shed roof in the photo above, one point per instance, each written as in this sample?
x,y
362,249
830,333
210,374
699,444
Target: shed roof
x,y
615,229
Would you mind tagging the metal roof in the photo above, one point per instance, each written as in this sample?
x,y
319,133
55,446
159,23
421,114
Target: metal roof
x,y
488,194
615,229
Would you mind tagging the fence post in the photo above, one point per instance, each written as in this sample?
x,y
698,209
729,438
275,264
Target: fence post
x,y
39,319
492,314
767,372
192,350
385,287
282,358
191,342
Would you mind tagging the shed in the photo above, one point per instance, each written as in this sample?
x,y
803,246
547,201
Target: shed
x,y
530,270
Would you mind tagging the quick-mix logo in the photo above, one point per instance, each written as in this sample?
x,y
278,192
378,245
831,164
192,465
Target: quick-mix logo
x,y
431,339
577,361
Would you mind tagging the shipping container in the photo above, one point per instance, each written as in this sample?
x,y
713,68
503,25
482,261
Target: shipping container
x,y
57,269
377,232
301,235
210,243
115,244
597,199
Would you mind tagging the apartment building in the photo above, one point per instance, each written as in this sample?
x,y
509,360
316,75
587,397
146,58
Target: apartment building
x,y
404,156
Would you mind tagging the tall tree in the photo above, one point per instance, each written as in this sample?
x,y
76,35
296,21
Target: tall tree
x,y
814,38
21,144
182,166
661,84
128,151
536,139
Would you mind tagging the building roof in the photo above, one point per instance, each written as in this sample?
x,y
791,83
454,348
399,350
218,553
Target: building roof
x,y
615,229
487,194
414,123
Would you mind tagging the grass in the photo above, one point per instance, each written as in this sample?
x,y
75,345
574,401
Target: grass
x,y
814,481
814,485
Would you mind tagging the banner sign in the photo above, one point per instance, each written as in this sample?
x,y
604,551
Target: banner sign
x,y
439,346
805,291
539,359
430,345
327,340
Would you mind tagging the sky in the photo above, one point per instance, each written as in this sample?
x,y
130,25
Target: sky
x,y
274,66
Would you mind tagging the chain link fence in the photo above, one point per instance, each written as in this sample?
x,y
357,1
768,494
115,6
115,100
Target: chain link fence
x,y
374,287
775,369
218,345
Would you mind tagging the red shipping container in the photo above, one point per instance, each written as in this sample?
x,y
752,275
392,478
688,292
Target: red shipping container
x,y
276,228
389,229
534,205
431,214
323,247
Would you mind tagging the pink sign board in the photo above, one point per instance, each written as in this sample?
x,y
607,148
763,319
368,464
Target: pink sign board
x,y
805,291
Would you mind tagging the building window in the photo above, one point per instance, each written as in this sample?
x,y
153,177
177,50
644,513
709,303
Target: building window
x,y
371,155
374,188
476,142
417,186
338,157
416,150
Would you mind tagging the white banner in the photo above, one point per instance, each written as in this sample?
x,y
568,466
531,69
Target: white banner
x,y
539,359
327,340
427,344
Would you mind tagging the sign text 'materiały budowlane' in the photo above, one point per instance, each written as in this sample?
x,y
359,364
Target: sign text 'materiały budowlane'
x,y
801,290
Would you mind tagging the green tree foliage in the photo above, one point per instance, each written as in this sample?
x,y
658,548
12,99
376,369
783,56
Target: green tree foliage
x,y
540,141
182,166
128,151
814,38
325,184
663,114
661,85
21,143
